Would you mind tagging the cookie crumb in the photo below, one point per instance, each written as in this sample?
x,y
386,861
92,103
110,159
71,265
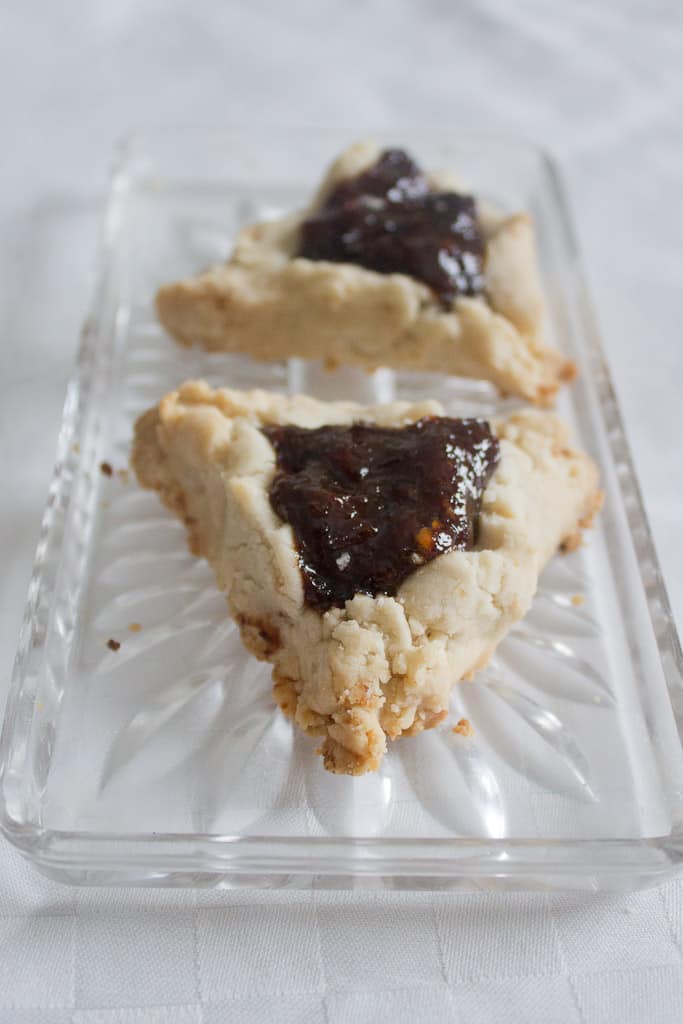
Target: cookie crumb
x,y
106,469
122,474
464,727
76,448
112,644
134,627
578,599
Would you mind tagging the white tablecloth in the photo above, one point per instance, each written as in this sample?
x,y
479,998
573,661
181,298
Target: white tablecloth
x,y
601,85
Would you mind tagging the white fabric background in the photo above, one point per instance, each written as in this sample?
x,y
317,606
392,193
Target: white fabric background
x,y
601,85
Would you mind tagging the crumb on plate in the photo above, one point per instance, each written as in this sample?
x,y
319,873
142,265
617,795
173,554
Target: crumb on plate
x,y
464,727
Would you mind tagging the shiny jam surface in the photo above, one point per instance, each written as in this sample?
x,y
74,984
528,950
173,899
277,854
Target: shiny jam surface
x,y
386,219
368,504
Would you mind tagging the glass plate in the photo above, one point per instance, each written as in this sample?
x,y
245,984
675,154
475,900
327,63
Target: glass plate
x,y
166,762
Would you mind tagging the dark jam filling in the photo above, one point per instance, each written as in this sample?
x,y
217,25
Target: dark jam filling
x,y
368,505
386,219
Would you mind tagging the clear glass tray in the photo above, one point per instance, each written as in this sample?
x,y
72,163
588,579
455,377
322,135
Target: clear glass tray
x,y
166,762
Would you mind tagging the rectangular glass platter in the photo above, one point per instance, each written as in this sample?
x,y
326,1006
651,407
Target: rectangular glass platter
x,y
166,762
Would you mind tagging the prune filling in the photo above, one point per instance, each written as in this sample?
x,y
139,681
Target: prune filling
x,y
387,220
368,505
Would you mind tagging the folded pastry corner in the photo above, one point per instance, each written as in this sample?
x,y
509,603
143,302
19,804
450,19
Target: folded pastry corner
x,y
388,266
375,555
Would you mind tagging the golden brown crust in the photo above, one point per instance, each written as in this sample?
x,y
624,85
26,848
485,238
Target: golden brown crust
x,y
147,463
586,520
259,636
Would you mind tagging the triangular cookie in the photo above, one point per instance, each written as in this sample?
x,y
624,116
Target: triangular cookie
x,y
427,279
356,671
